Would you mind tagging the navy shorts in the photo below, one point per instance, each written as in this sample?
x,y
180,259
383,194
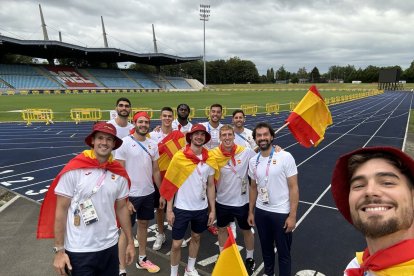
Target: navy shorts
x,y
144,206
226,214
198,220
105,262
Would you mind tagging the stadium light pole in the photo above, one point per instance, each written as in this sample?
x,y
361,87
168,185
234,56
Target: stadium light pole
x,y
204,15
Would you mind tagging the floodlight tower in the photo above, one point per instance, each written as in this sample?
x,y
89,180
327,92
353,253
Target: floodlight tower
x,y
204,15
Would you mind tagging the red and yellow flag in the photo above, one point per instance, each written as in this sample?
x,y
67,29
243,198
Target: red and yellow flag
x,y
181,167
86,159
230,261
309,120
172,143
222,157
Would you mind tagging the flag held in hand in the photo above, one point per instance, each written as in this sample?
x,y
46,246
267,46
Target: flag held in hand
x,y
309,120
230,261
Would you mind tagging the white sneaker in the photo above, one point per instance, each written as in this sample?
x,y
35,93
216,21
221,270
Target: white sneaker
x,y
233,229
191,273
136,243
159,240
184,243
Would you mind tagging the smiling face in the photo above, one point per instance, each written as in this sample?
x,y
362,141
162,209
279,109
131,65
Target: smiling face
x,y
215,114
238,120
263,138
380,199
227,137
142,126
166,118
198,138
123,109
103,145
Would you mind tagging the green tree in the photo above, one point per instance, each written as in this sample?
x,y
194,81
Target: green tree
x,y
315,76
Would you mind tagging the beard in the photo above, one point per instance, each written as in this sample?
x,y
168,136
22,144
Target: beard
x,y
123,114
140,131
264,147
183,118
376,226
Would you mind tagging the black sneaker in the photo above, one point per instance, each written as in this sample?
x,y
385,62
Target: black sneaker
x,y
250,265
123,274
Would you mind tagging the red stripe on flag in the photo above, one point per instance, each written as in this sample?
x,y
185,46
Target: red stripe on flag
x,y
230,240
167,189
302,131
315,91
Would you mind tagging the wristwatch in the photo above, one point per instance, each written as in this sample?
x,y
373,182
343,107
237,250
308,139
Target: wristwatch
x,y
57,249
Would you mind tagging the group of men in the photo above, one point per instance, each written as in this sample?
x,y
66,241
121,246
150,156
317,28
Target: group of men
x,y
218,173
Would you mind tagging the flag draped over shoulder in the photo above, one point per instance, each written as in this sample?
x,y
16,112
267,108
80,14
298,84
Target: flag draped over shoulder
x,y
222,157
84,160
181,167
230,261
397,259
309,120
172,143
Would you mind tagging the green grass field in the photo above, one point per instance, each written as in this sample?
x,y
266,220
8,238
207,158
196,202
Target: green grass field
x,y
230,96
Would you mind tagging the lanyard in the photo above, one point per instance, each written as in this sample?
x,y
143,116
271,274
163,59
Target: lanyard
x,y
241,136
98,184
141,145
234,171
268,164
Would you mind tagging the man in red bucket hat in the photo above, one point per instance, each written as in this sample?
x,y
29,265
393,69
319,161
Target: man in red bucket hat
x,y
373,189
78,210
188,187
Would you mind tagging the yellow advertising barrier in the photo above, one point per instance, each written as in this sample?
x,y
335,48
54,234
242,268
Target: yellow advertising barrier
x,y
249,109
292,105
38,115
85,114
272,108
134,110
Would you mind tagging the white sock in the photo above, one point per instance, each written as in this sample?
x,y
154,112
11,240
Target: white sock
x,y
122,271
141,257
249,253
221,248
174,270
191,263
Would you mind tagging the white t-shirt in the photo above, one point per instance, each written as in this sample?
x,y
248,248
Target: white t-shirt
x,y
245,139
183,129
190,195
215,135
281,167
138,164
229,185
121,132
157,136
354,264
78,185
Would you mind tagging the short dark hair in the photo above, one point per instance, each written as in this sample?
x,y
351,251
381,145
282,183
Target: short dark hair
x,y
167,108
263,125
238,111
216,105
183,104
356,160
123,99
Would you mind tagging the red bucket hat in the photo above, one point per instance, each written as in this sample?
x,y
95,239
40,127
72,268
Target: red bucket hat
x,y
197,127
340,178
105,128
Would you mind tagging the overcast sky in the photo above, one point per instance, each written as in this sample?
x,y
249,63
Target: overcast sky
x,y
270,33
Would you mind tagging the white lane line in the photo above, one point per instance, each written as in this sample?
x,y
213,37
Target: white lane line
x,y
32,171
42,148
38,160
8,203
318,205
72,135
59,132
21,187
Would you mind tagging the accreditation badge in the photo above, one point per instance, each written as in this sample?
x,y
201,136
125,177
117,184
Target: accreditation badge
x,y
263,195
88,212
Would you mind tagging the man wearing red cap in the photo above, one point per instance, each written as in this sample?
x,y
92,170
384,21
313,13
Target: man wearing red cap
x,y
373,189
139,156
78,210
190,177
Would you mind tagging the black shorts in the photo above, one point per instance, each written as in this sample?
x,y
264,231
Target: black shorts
x,y
226,214
198,219
103,262
144,207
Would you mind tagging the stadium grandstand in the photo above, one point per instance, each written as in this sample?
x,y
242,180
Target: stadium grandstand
x,y
30,78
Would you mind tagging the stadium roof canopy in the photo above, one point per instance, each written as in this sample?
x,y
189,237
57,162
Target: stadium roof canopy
x,y
51,49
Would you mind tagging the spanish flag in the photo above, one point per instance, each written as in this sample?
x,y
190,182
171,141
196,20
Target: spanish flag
x,y
230,261
86,159
172,143
223,157
182,165
309,120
